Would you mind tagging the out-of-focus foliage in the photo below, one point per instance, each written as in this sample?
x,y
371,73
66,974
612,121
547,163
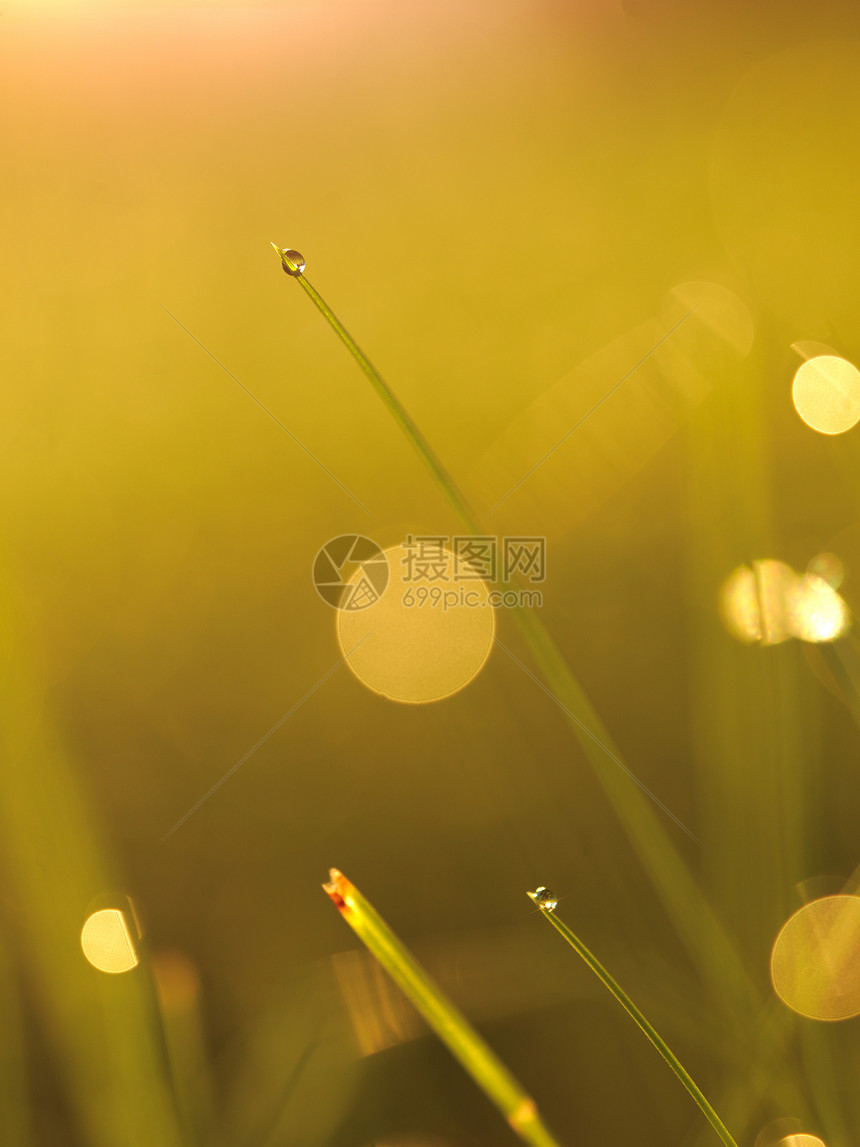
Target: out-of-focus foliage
x,y
509,204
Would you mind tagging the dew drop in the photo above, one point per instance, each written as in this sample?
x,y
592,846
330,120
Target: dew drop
x,y
544,898
293,262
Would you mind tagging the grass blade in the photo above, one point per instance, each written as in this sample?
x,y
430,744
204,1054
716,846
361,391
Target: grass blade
x,y
103,1031
389,398
547,906
446,1020
693,918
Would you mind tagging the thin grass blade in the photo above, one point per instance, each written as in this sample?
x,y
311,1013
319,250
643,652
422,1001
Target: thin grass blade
x,y
695,922
644,1025
440,1013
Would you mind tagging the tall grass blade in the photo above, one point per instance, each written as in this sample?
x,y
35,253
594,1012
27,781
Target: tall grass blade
x,y
644,1025
694,920
103,1030
446,1020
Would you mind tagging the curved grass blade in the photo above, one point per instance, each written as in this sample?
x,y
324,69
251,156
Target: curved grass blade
x,y
547,907
446,1020
695,922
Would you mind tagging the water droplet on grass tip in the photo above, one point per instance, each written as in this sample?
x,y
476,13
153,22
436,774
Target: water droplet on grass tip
x,y
544,898
293,262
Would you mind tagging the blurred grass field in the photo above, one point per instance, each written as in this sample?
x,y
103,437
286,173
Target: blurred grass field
x,y
507,205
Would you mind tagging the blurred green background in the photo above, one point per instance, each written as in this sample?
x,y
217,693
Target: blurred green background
x,y
490,194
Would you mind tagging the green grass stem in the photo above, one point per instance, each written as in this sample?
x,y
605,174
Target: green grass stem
x,y
693,918
444,1018
103,1030
644,1025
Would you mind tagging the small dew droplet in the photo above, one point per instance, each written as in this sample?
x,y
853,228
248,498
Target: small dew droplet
x,y
293,262
544,898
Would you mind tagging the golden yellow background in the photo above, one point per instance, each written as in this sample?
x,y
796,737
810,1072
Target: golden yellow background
x,y
490,194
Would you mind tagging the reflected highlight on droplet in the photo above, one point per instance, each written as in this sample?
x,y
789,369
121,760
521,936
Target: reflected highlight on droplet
x,y
814,610
292,261
544,898
106,940
415,644
815,962
802,1140
826,394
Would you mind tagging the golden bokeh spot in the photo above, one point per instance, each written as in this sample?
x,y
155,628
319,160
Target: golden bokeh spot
x,y
826,394
771,603
829,567
107,941
753,602
815,962
738,603
801,1140
778,1132
415,644
814,610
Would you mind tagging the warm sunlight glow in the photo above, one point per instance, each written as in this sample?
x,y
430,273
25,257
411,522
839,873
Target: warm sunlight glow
x,y
829,568
815,963
739,605
771,603
802,1141
107,941
425,638
826,394
752,602
814,610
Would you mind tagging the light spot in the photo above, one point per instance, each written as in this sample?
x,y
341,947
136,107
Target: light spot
x,y
829,567
752,602
814,610
802,1140
426,638
526,1113
826,394
107,941
771,603
815,962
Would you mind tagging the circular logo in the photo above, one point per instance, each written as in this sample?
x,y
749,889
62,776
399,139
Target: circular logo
x,y
350,572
